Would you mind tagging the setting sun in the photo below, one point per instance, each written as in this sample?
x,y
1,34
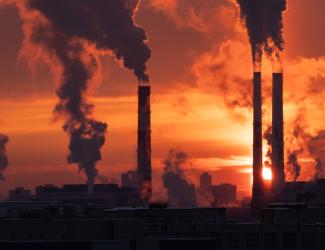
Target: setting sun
x,y
267,173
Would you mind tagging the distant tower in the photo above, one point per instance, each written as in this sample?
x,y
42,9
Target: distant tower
x,y
258,189
129,179
205,181
278,178
144,143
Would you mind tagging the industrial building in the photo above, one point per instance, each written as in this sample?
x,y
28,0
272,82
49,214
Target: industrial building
x,y
286,226
20,193
105,195
222,195
129,179
280,191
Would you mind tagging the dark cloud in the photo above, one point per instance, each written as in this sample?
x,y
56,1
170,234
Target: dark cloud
x,y
264,23
107,24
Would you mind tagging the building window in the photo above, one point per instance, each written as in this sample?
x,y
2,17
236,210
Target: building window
x,y
219,240
252,241
233,241
322,241
289,241
270,241
308,241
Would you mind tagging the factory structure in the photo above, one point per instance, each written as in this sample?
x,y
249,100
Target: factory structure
x,y
312,192
280,216
144,143
290,215
259,193
261,196
136,185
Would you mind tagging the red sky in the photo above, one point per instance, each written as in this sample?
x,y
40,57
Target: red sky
x,y
200,64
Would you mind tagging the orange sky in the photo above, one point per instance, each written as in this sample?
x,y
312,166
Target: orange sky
x,y
200,64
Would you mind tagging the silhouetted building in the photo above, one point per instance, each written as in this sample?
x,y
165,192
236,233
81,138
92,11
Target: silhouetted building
x,y
20,194
129,179
281,228
224,194
111,195
204,191
312,193
205,181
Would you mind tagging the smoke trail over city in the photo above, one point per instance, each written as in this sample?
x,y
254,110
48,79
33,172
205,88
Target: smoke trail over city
x,y
70,36
3,155
264,23
107,24
180,192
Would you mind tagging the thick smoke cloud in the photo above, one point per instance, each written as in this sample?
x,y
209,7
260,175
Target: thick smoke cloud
x,y
180,192
69,36
264,23
3,155
107,24
87,135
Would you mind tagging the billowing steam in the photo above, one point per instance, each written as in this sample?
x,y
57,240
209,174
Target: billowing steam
x,y
223,70
87,135
71,34
180,192
3,155
308,144
264,23
316,148
293,166
298,138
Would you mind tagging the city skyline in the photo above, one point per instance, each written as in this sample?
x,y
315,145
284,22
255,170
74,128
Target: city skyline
x,y
199,121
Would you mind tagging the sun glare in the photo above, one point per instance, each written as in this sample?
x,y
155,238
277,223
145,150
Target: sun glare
x,y
267,173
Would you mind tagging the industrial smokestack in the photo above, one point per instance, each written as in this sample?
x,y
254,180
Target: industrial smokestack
x,y
144,143
277,133
257,140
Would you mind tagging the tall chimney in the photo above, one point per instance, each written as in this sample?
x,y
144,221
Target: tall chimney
x,y
277,134
144,143
258,186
